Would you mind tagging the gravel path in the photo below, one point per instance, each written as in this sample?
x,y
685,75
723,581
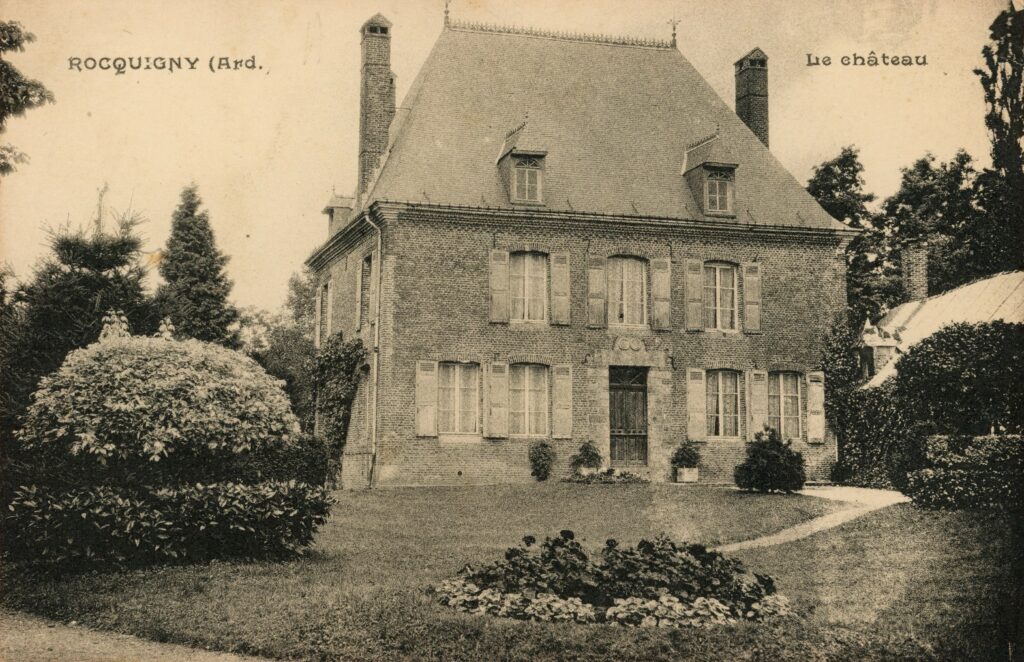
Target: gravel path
x,y
25,638
862,501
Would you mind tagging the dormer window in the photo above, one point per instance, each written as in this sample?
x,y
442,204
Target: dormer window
x,y
527,182
718,192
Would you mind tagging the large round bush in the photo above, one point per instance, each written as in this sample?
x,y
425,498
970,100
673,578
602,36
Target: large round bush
x,y
152,411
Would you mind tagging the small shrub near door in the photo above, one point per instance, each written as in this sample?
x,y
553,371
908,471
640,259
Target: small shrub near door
x,y
588,457
542,457
771,465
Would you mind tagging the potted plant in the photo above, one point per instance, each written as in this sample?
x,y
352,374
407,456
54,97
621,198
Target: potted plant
x,y
685,460
587,461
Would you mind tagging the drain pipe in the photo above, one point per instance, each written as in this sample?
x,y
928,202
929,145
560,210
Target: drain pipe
x,y
376,350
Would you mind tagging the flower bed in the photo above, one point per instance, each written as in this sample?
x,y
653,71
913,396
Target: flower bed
x,y
658,583
607,477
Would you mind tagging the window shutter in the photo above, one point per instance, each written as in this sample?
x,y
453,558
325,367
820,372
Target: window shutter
x,y
757,381
696,404
661,290
561,399
816,407
752,297
426,398
694,295
560,311
499,286
597,294
317,314
359,297
497,401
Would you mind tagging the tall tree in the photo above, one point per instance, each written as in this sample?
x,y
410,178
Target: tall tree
x,y
838,186
17,93
196,289
1001,188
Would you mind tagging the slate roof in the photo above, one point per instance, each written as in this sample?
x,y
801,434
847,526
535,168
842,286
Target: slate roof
x,y
614,118
1000,297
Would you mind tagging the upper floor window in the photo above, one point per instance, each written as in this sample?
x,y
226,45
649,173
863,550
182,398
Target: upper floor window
x,y
720,297
528,399
528,285
718,187
527,184
784,403
627,291
458,398
723,403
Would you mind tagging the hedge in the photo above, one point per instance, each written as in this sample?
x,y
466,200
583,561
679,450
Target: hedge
x,y
971,473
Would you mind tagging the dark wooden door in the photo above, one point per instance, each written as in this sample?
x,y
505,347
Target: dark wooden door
x,y
627,394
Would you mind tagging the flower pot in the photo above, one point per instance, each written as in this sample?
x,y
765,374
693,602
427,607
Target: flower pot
x,y
687,474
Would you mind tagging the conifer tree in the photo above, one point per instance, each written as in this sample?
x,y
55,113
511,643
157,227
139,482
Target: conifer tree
x,y
195,292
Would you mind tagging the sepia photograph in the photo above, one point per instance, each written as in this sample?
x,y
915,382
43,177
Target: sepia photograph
x,y
464,330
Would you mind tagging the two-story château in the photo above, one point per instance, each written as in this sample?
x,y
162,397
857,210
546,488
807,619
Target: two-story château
x,y
564,237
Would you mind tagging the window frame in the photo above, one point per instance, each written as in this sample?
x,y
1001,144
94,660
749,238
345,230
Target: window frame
x,y
717,304
779,378
527,410
528,165
720,178
526,291
712,420
456,408
620,286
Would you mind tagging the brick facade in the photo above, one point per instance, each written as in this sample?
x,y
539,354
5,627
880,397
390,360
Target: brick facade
x,y
435,307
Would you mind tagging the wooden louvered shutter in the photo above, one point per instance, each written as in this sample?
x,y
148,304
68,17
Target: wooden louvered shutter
x,y
497,401
752,297
757,398
816,407
561,400
696,404
661,293
560,309
597,292
694,295
426,398
499,286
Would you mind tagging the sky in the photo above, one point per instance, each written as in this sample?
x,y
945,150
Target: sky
x,y
268,145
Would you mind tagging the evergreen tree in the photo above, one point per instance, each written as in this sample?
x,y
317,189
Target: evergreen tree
x,y
17,93
196,289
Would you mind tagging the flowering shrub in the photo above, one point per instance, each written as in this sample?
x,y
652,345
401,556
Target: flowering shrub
x,y
588,457
542,456
608,477
108,524
971,473
658,583
771,465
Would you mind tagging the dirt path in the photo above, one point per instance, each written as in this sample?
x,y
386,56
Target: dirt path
x,y
862,501
25,638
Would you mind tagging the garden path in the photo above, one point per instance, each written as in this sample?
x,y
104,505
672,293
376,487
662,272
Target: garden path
x,y
25,638
862,501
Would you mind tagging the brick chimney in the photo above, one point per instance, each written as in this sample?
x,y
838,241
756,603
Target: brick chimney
x,y
914,270
752,92
376,97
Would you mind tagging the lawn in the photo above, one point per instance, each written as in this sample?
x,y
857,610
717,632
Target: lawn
x,y
364,593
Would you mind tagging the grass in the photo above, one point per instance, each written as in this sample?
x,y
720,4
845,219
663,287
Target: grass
x,y
896,583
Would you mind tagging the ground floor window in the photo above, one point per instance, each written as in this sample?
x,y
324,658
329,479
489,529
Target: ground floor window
x,y
528,391
784,403
458,398
723,403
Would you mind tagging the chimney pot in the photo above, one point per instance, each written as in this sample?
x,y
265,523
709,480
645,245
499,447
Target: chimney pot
x,y
752,92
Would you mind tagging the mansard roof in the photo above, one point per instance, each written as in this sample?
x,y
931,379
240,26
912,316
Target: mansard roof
x,y
614,116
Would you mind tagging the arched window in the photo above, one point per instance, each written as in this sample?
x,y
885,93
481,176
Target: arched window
x,y
720,296
627,291
528,286
528,399
784,403
458,398
723,403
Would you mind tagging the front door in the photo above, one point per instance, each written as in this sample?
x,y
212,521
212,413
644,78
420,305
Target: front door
x,y
627,394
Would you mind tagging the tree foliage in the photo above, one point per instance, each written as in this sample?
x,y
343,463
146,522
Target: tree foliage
x,y
196,289
17,93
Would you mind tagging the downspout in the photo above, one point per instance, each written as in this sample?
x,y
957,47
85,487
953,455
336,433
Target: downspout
x,y
376,349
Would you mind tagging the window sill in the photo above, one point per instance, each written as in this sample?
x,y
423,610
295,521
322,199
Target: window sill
x,y
720,214
459,438
528,203
612,326
726,439
537,323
